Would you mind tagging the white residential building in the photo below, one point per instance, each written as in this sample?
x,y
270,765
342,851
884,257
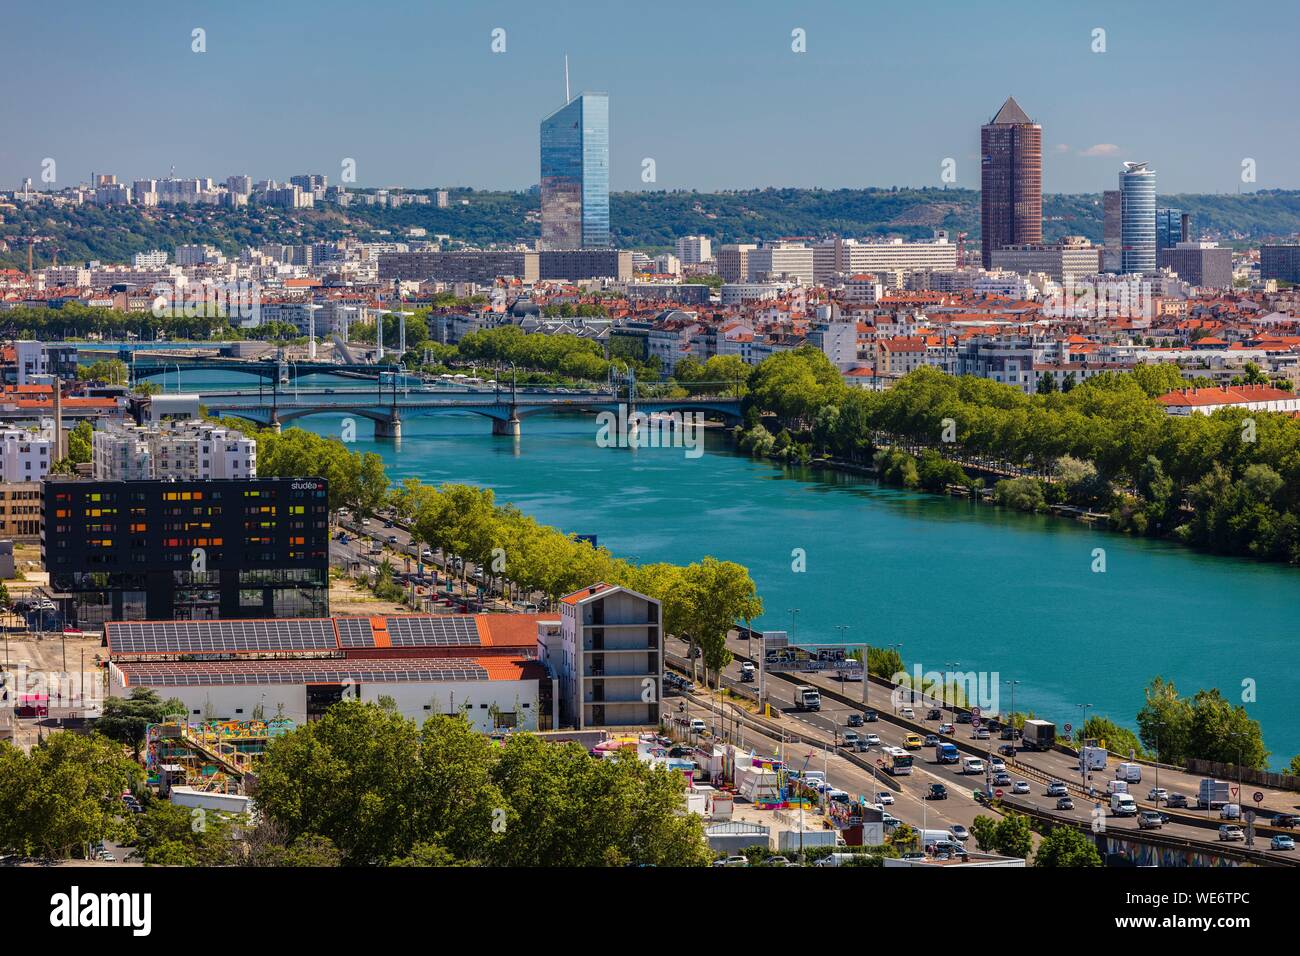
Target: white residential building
x,y
26,455
609,660
693,250
185,450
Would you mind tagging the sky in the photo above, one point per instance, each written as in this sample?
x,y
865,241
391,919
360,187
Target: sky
x,y
713,93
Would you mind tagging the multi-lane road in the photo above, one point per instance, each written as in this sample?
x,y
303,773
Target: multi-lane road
x,y
1037,769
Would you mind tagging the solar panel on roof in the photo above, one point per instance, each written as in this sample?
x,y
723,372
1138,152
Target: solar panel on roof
x,y
355,632
448,631
195,637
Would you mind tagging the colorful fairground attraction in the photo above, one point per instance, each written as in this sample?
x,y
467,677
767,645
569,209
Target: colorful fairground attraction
x,y
210,755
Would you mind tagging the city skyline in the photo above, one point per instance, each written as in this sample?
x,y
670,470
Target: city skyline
x,y
756,126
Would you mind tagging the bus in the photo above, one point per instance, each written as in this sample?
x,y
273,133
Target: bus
x,y
897,760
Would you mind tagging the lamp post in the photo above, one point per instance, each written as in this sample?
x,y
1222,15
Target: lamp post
x,y
899,648
951,667
1084,772
842,628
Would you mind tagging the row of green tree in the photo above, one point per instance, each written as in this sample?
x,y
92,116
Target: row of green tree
x,y
1227,482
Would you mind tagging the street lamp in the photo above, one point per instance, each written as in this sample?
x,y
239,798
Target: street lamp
x,y
841,628
952,704
899,648
1084,772
794,624
1011,713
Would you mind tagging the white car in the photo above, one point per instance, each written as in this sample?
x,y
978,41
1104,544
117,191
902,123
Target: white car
x,y
907,713
1020,786
885,798
997,765
1157,794
872,740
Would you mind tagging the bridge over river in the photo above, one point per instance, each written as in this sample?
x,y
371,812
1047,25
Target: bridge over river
x,y
505,408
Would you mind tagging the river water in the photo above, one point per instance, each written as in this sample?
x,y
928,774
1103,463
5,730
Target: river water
x,y
1013,595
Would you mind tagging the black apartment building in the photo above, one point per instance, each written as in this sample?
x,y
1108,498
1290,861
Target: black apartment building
x,y
186,550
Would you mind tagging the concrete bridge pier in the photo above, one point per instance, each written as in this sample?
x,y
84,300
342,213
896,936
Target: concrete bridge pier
x,y
506,426
274,424
392,428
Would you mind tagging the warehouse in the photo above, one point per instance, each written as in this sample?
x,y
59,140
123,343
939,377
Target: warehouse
x,y
485,666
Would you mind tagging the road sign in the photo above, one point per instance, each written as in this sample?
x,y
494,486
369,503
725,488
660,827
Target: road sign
x,y
1233,791
975,711
1069,728
1258,797
880,761
975,722
998,794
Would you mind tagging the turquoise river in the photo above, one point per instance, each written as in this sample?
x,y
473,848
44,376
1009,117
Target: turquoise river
x,y
949,580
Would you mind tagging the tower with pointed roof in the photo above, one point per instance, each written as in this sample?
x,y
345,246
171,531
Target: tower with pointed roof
x,y
1011,180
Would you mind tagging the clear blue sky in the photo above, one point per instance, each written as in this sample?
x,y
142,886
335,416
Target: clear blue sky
x,y
710,90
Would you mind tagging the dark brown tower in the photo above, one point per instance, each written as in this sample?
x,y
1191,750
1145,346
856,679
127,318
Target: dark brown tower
x,y
1011,181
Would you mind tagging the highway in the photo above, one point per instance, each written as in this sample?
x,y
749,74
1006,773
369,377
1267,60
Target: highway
x,y
1037,769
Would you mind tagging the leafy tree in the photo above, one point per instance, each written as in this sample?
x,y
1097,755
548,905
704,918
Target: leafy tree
x,y
1165,722
125,719
171,835
1225,733
1065,846
1014,836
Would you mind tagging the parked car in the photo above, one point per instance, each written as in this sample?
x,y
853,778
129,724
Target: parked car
x,y
732,861
1064,803
1020,786
960,832
777,861
1281,842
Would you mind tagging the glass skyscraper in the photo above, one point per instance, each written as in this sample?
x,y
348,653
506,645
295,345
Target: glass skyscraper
x,y
1011,181
575,174
1137,189
1169,229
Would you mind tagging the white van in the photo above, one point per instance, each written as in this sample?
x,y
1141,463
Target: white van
x,y
1230,811
1116,786
972,765
1130,772
697,725
931,837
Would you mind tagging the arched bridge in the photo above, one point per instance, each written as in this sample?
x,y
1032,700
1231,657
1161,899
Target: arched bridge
x,y
504,410
272,370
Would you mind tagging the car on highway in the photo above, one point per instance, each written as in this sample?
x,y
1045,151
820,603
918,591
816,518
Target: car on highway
x,y
1231,834
1176,801
1007,750
388,523
426,555
1002,779
998,765
885,798
375,552
1020,786
1157,794
871,740
1285,820
937,791
931,740
1150,820
934,714
907,713
946,729
1282,842
747,671
1056,789
981,733
913,742
392,539
960,832
1064,803
870,716
972,765
850,738
855,720
963,717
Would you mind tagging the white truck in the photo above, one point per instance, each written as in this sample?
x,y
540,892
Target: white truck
x,y
1123,805
1212,794
807,697
1092,758
1132,772
972,765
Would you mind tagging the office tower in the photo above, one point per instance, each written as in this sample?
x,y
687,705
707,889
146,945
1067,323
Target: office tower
x,y
693,250
1137,186
1203,264
575,174
1172,227
242,185
1279,261
1112,232
1011,181
733,261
